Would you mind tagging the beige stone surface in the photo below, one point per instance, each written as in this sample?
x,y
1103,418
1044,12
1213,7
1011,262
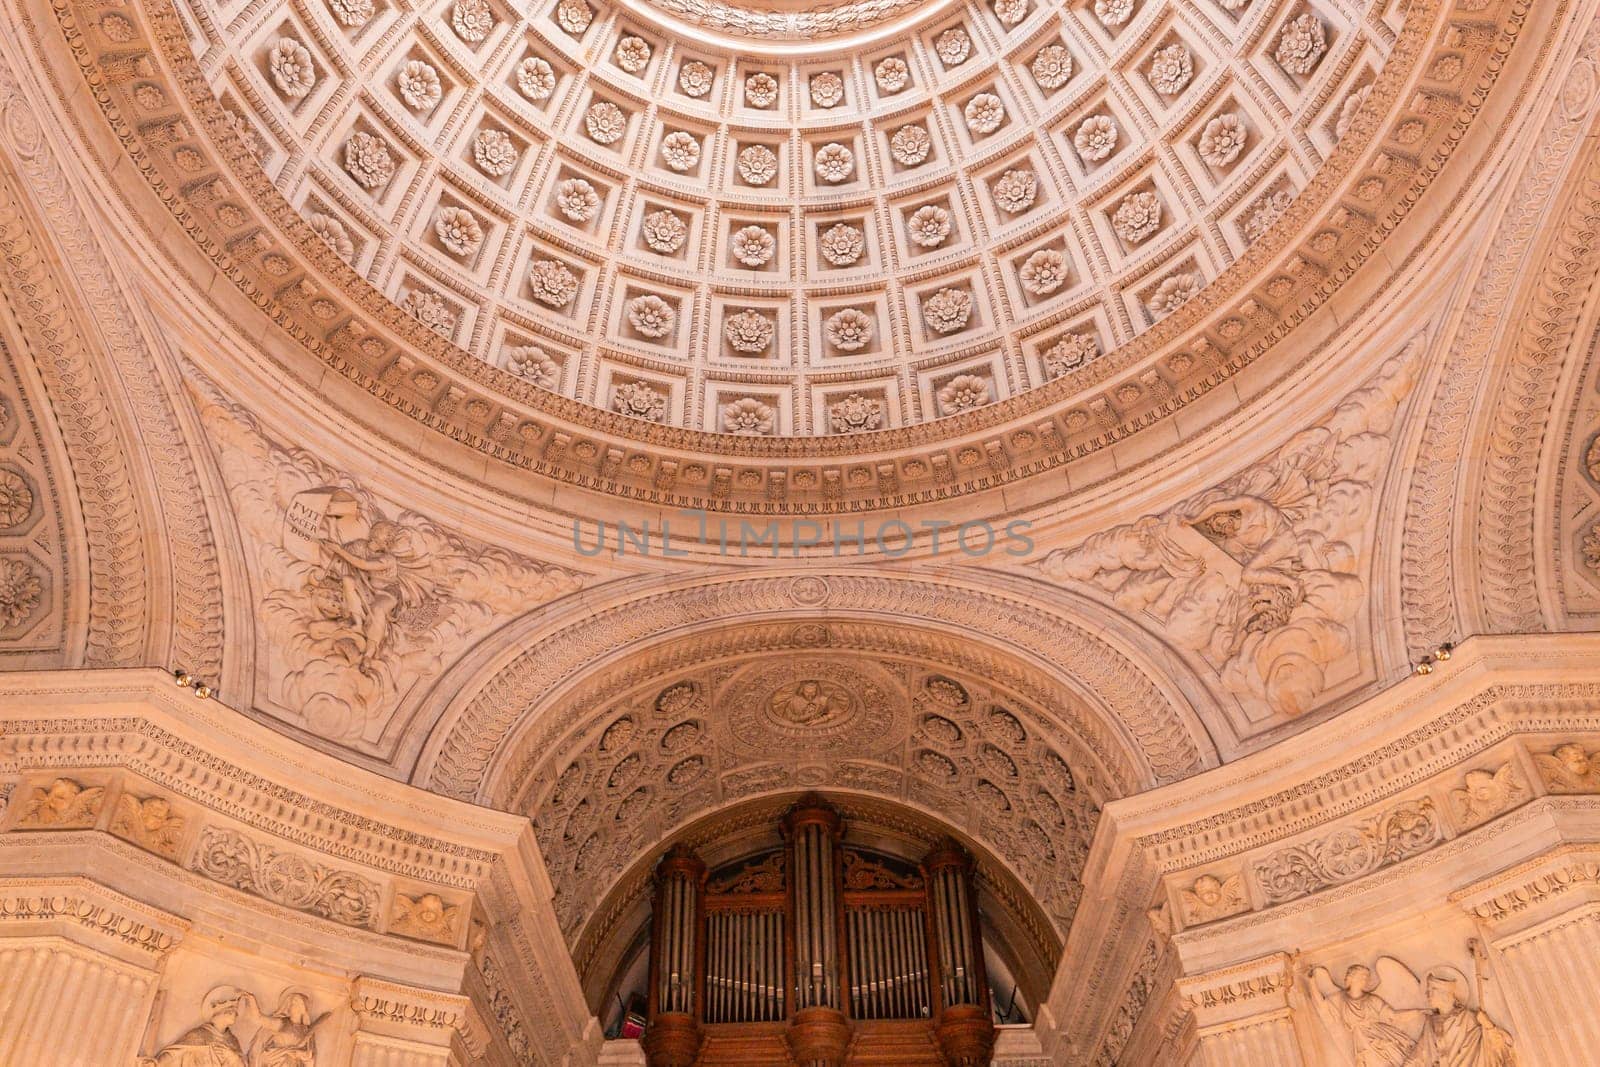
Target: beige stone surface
x,y
535,435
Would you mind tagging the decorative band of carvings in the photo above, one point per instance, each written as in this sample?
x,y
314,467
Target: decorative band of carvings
x,y
1558,873
1267,979
233,859
374,1000
97,910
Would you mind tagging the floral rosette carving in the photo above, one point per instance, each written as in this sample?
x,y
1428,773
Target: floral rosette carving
x,y
494,152
929,225
1301,44
892,74
1137,217
577,200
1096,137
551,283
757,164
842,244
1052,66
753,246
664,231
761,90
367,160
20,592
292,71
963,393
1174,291
1068,353
640,401
827,89
633,54
910,145
472,20
835,163
536,78
947,310
332,231
855,414
651,316
749,332
1015,190
695,78
533,364
1043,272
1171,68
1222,140
680,151
953,47
605,122
748,416
458,230
848,330
984,113
419,85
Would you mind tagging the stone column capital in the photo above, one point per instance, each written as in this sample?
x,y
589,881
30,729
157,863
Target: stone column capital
x,y
1240,993
1554,883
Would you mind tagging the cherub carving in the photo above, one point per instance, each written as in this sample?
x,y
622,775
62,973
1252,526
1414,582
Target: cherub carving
x,y
1212,898
149,823
1261,576
426,916
1570,769
1485,795
61,805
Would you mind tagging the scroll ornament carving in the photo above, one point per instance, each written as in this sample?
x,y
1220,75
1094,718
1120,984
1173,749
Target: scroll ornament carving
x,y
1349,853
285,1038
233,859
1571,768
1486,794
1427,1022
149,823
764,876
62,805
1212,898
426,917
357,607
1260,577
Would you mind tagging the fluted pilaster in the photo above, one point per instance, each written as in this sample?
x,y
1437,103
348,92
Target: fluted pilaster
x,y
1242,1014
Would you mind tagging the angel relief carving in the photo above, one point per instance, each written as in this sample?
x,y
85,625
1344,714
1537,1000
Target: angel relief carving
x,y
1262,576
285,1038
61,805
1485,794
149,823
357,605
1427,1023
1571,768
1212,898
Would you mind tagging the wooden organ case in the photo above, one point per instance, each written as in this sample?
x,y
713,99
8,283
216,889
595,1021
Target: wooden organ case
x,y
817,954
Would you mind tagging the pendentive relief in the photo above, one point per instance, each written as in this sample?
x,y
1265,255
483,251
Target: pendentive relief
x,y
1262,579
360,603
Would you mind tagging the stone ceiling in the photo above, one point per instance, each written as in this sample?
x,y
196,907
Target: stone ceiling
x,y
676,212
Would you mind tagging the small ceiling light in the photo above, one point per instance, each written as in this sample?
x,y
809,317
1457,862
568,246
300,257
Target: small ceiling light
x,y
1444,651
1425,666
183,678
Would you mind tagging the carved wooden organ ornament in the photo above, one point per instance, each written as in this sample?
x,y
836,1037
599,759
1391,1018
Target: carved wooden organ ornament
x,y
815,944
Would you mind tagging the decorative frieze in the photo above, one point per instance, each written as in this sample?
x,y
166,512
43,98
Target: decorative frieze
x,y
262,870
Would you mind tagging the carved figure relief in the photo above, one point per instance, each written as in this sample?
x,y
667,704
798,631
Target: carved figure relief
x,y
285,1038
62,805
357,606
1430,1023
1261,577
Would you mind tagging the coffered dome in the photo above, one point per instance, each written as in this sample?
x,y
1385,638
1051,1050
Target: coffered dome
x,y
775,221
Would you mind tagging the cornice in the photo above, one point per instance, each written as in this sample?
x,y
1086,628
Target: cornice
x,y
86,910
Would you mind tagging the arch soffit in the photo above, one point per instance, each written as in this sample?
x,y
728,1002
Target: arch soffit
x,y
1152,711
